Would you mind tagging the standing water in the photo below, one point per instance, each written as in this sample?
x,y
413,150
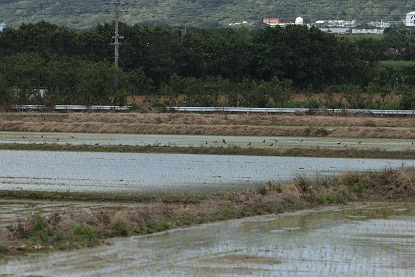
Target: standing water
x,y
361,240
154,173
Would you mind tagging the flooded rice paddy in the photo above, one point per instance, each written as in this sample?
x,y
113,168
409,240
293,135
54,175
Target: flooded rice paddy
x,y
204,141
361,240
374,239
154,173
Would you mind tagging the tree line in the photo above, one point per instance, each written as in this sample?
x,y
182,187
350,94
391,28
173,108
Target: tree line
x,y
42,63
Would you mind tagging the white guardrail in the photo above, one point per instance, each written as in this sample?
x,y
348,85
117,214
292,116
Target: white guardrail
x,y
290,110
214,109
69,108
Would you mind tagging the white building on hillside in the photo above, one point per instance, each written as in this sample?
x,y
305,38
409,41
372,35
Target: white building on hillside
x,y
410,19
2,26
299,21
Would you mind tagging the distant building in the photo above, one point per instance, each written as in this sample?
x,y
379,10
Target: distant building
x,y
348,31
336,30
299,21
238,23
272,21
2,26
410,19
277,22
379,24
367,31
338,23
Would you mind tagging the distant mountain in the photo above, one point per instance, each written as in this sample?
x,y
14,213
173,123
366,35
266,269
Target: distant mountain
x,y
81,14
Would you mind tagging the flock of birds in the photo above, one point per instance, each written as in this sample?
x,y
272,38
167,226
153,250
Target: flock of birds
x,y
51,139
223,142
24,137
272,142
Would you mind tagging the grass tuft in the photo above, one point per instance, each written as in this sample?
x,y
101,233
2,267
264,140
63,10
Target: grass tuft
x,y
4,249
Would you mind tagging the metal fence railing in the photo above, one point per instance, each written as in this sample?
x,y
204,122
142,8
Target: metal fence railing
x,y
214,109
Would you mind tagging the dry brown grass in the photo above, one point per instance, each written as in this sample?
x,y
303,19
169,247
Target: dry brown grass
x,y
211,119
374,132
211,124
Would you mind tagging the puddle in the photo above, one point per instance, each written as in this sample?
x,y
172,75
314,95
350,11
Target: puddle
x,y
355,240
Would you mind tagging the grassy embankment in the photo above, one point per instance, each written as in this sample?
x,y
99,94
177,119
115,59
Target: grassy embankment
x,y
281,151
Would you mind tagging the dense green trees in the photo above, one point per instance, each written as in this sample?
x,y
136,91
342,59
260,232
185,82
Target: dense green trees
x,y
46,64
25,76
307,57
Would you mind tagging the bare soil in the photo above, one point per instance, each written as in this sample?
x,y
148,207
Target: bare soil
x,y
351,126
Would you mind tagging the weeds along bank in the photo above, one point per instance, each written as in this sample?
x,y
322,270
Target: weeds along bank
x,y
79,227
335,98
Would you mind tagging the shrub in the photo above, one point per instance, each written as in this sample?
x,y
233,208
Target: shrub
x,y
330,199
84,235
120,229
4,249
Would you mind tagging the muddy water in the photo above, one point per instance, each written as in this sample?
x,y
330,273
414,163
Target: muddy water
x,y
361,240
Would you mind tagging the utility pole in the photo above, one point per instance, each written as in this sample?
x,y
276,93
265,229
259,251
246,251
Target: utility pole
x,y
116,36
184,31
116,42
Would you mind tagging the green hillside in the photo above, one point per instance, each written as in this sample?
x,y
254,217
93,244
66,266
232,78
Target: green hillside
x,y
80,14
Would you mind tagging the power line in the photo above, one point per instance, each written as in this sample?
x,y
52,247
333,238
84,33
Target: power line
x,y
116,36
116,43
